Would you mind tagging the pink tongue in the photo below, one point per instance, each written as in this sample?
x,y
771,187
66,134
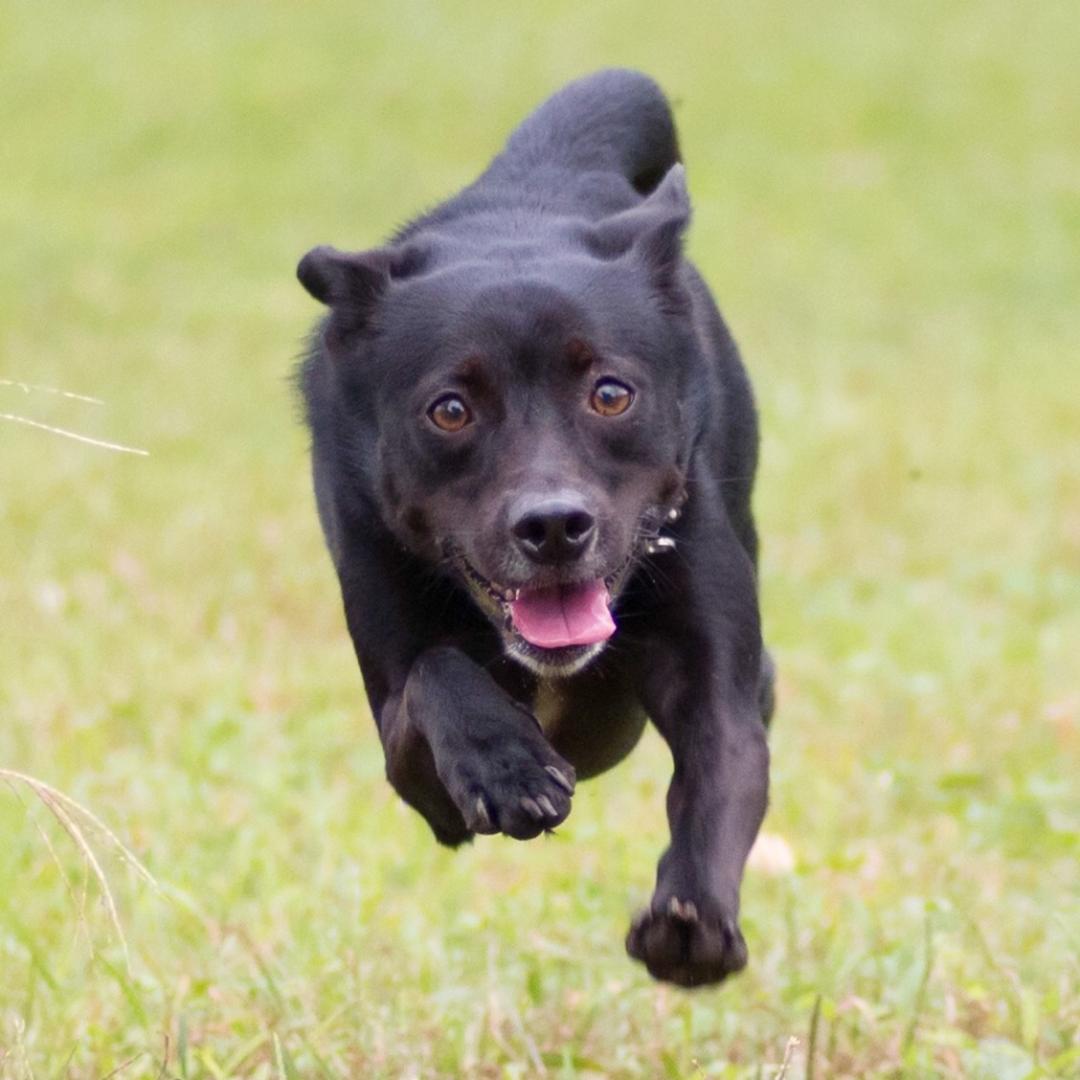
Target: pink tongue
x,y
564,615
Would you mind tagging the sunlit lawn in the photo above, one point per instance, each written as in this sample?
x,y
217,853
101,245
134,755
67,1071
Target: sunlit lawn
x,y
888,207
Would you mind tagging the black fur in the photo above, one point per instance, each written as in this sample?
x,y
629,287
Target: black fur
x,y
558,270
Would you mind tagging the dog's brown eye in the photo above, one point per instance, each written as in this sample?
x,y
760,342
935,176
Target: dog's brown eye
x,y
611,397
450,413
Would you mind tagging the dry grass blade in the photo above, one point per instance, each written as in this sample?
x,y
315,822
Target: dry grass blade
x,y
80,906
27,388
123,1065
38,786
122,849
74,435
68,812
789,1052
71,827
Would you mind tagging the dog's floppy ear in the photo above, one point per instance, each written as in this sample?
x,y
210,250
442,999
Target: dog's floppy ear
x,y
652,230
352,284
340,278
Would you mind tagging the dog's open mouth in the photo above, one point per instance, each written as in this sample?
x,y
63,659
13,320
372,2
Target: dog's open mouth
x,y
553,629
563,615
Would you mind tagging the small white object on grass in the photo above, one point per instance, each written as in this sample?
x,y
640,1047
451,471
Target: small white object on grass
x,y
772,855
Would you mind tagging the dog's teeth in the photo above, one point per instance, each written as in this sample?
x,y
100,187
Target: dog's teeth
x,y
661,543
673,514
559,778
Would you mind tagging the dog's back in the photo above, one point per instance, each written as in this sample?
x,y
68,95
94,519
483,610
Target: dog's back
x,y
590,150
613,121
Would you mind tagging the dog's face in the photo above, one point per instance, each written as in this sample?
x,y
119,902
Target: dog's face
x,y
518,414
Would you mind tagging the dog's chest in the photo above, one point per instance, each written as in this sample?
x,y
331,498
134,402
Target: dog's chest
x,y
547,706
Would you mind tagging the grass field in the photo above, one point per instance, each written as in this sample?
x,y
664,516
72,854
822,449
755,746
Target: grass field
x,y
888,207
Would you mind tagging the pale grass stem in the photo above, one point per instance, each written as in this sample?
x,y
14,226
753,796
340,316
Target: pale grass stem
x,y
103,443
789,1053
73,817
28,388
123,1065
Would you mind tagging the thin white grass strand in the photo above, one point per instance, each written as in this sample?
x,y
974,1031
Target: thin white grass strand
x,y
28,388
102,443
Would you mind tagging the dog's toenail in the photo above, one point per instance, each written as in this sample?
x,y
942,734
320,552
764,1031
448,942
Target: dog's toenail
x,y
684,910
559,778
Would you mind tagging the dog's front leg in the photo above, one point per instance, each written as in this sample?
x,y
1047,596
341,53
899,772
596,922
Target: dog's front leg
x,y
467,756
701,690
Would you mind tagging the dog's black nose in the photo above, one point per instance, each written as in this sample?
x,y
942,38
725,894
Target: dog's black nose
x,y
553,529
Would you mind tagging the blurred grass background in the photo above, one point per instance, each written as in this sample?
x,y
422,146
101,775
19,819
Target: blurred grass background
x,y
888,207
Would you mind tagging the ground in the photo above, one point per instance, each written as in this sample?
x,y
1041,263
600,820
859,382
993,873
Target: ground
x,y
888,207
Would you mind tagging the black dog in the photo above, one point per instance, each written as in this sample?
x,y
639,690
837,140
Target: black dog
x,y
534,449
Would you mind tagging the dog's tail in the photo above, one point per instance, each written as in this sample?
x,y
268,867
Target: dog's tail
x,y
613,120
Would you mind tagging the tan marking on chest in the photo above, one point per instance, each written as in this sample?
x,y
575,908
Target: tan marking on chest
x,y
547,706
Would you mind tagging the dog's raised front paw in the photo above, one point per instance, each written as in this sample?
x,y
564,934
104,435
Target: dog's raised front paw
x,y
680,945
522,789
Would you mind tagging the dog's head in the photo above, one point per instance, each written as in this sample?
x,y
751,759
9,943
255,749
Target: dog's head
x,y
516,405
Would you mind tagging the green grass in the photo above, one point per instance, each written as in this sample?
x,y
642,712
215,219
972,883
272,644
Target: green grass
x,y
888,208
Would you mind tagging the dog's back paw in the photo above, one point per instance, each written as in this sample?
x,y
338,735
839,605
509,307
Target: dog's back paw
x,y
680,945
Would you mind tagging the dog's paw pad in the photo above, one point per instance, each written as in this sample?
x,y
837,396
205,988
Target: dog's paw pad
x,y
678,945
